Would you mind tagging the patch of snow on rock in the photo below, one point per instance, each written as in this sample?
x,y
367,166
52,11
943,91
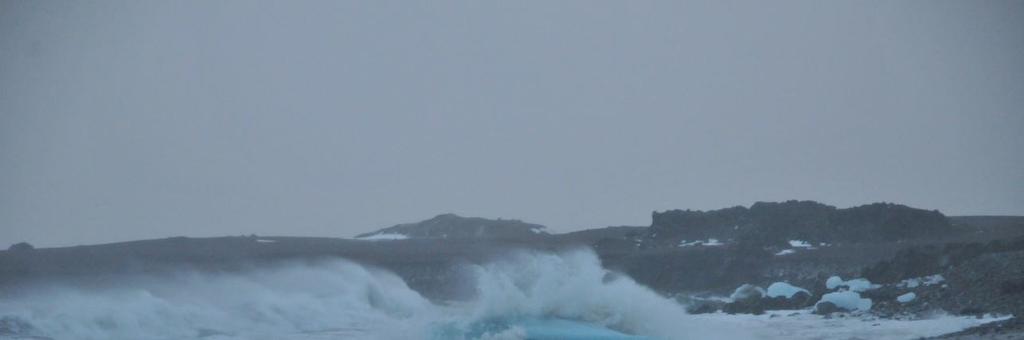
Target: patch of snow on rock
x,y
784,290
747,291
800,244
857,285
906,297
860,285
917,281
265,241
384,237
785,252
711,242
847,300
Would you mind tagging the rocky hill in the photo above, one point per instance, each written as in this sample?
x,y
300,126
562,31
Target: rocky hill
x,y
771,223
451,226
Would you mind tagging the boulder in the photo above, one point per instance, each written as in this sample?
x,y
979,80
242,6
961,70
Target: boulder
x,y
704,307
747,292
826,308
798,300
750,306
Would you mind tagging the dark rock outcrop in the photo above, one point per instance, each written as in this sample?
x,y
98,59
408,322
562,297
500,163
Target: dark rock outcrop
x,y
771,223
932,259
978,278
986,284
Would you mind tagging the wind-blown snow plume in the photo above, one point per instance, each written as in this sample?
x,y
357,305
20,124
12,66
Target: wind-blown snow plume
x,y
532,295
339,299
265,303
573,285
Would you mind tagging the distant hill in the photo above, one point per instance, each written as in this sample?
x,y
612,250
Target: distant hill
x,y
451,226
813,222
752,246
590,236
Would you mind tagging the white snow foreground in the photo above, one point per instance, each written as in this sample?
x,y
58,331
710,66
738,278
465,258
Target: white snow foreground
x,y
802,324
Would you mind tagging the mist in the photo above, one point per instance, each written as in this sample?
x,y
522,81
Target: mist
x,y
338,299
123,120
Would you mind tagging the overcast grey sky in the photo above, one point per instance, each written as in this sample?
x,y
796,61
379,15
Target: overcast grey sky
x,y
135,119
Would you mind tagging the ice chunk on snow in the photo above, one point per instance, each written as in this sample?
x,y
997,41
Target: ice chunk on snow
x,y
785,252
747,291
384,237
833,282
917,281
711,242
784,290
906,297
800,244
857,285
847,300
933,279
685,243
